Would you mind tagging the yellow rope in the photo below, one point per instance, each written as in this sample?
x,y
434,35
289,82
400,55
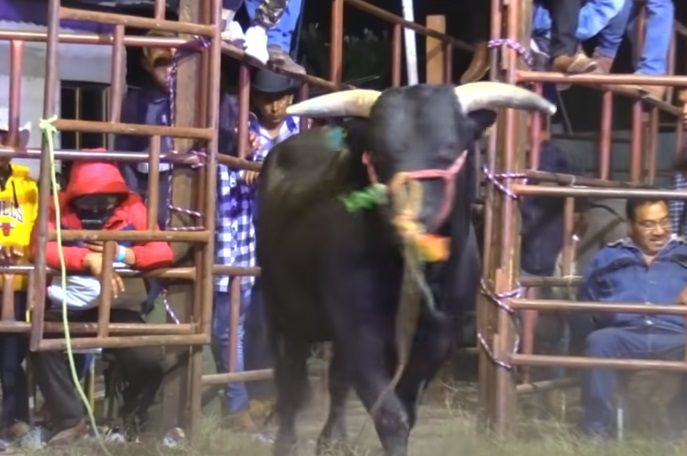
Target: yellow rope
x,y
48,128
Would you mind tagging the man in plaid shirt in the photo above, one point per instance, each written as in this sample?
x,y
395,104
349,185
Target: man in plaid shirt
x,y
271,94
678,216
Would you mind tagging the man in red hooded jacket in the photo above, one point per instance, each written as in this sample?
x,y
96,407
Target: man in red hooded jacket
x,y
96,197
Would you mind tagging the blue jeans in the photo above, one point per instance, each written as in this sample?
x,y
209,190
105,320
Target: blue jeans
x,y
658,32
599,384
236,393
281,34
13,350
606,18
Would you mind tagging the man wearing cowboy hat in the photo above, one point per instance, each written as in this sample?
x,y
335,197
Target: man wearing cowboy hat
x,y
271,94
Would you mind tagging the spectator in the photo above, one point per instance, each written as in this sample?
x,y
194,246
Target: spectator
x,y
18,208
647,268
96,197
149,104
678,215
271,94
269,38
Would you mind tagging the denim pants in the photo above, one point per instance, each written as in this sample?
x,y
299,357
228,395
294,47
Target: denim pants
x,y
236,393
281,34
606,18
13,350
599,384
658,32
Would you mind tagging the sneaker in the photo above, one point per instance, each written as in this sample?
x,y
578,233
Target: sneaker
x,y
280,58
256,44
233,34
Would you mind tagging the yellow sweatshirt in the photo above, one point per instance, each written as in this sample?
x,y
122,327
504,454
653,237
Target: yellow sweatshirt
x,y
18,211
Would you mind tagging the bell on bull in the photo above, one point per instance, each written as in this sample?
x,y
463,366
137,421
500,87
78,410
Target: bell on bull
x,y
339,257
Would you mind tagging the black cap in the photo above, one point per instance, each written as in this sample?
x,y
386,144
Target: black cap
x,y
267,81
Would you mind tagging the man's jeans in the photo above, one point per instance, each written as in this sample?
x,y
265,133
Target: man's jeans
x,y
13,350
236,393
606,18
660,15
600,384
281,34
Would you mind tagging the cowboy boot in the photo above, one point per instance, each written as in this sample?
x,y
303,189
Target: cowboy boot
x,y
479,65
603,62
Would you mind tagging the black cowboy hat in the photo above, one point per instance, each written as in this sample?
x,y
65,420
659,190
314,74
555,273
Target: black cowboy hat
x,y
267,81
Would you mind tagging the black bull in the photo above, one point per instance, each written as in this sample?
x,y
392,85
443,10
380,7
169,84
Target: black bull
x,y
332,273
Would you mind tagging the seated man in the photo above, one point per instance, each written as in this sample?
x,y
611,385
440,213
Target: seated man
x,y
96,197
648,267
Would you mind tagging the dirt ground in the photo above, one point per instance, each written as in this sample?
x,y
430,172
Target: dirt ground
x,y
447,426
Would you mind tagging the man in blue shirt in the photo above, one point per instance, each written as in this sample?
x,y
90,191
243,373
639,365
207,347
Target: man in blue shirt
x,y
647,267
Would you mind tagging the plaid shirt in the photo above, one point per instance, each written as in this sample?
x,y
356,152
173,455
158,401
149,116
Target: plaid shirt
x,y
677,208
235,241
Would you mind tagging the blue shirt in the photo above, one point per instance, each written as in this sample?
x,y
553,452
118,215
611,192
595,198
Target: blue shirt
x,y
619,273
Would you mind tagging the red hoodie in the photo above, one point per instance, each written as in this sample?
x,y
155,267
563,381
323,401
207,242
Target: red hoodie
x,y
87,178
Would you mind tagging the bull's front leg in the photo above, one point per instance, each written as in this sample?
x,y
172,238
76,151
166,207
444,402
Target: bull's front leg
x,y
431,348
372,376
333,437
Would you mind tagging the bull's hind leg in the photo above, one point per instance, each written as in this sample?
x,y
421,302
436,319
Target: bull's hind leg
x,y
334,434
372,376
291,381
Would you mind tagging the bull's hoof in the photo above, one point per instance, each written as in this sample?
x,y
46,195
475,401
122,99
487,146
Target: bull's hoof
x,y
285,447
338,447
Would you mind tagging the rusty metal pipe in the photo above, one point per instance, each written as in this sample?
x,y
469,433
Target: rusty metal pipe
x,y
136,21
34,153
606,135
106,292
154,182
125,341
541,190
597,307
336,43
547,385
160,7
117,82
394,19
121,328
244,110
49,96
636,144
92,126
98,40
448,63
238,377
535,131
396,45
134,236
606,363
16,63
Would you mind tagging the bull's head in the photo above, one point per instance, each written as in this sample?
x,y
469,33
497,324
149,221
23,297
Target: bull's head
x,y
421,133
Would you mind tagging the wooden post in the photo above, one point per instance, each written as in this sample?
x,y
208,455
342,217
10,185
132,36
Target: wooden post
x,y
434,51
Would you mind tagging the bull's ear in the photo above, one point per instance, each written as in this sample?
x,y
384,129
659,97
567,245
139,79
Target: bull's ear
x,y
481,120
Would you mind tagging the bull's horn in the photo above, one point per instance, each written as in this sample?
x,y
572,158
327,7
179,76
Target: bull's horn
x,y
493,95
347,103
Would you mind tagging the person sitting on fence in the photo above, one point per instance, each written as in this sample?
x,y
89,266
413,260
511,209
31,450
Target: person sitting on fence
x,y
271,94
18,206
647,267
605,19
97,198
270,36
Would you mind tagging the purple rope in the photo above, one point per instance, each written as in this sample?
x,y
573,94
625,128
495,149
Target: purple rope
x,y
495,181
497,298
521,50
182,52
490,354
